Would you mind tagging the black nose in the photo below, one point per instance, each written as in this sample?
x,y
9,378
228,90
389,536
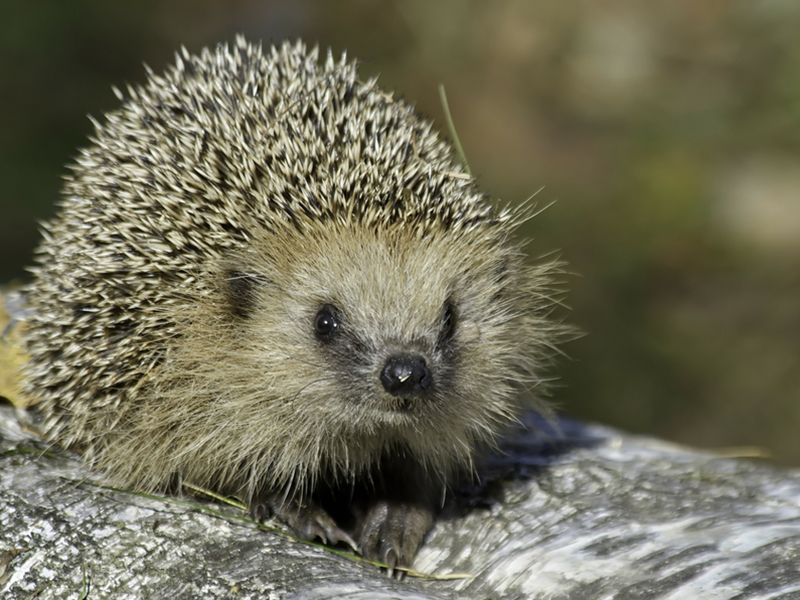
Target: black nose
x,y
406,376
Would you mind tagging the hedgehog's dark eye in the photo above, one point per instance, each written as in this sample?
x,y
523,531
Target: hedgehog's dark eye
x,y
448,322
326,323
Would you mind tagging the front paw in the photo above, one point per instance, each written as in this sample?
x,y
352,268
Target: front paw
x,y
393,531
308,520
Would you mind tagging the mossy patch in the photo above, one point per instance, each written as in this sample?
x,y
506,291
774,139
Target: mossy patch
x,y
11,358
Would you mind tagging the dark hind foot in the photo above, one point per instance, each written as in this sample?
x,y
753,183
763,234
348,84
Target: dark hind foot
x,y
392,532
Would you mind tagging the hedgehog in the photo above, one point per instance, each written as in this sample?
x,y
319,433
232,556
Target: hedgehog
x,y
271,279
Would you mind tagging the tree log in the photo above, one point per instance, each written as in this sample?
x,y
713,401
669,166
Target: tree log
x,y
561,510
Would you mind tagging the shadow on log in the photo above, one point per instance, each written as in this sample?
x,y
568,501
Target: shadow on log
x,y
583,513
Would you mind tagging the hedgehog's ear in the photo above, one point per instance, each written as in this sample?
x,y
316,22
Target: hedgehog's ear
x,y
503,274
241,287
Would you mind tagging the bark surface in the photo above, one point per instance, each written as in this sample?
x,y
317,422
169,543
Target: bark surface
x,y
583,513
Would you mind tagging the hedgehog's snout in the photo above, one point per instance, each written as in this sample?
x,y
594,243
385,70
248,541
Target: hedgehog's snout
x,y
406,376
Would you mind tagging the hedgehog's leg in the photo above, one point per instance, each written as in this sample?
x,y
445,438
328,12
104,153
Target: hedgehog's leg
x,y
398,514
307,519
393,531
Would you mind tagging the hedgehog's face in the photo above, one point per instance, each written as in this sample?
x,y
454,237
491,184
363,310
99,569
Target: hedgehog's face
x,y
382,336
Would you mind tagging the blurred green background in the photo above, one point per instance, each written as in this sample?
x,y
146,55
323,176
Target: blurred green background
x,y
667,132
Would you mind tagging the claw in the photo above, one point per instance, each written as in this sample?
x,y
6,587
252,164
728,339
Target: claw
x,y
260,512
343,537
309,521
391,562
